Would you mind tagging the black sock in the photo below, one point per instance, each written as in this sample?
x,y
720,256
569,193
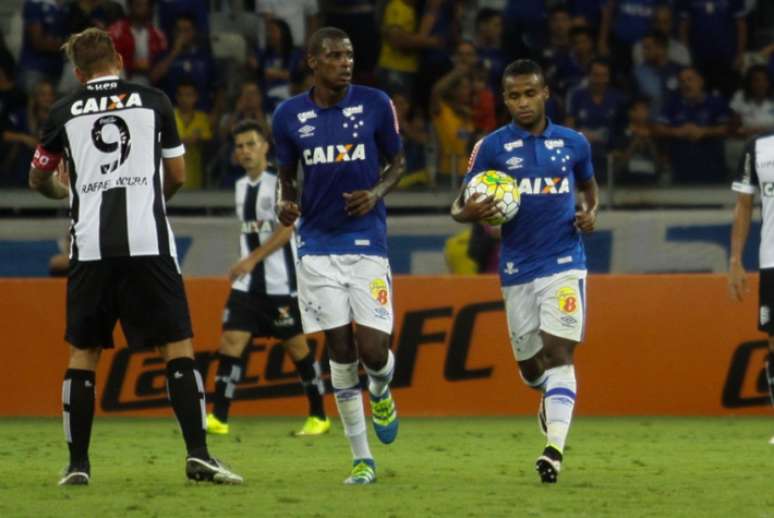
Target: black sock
x,y
309,372
228,375
186,392
78,413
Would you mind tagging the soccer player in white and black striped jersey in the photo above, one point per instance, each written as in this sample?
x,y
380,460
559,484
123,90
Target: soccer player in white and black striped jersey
x,y
264,298
124,159
756,173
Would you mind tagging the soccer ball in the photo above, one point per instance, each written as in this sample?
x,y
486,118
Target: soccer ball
x,y
502,188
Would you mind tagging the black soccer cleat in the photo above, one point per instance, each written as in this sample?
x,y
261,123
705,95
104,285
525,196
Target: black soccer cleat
x,y
210,470
76,475
548,465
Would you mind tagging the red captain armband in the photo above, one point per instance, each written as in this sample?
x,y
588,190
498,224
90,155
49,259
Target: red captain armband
x,y
45,160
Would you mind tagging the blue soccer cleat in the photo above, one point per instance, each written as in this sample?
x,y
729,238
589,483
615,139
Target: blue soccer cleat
x,y
384,416
363,472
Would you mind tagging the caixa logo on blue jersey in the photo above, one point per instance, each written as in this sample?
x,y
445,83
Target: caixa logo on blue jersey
x,y
332,154
540,185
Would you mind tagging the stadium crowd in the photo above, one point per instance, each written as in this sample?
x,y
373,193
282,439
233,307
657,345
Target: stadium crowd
x,y
669,89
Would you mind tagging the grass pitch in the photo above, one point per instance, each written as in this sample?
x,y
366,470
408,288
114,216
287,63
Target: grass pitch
x,y
661,467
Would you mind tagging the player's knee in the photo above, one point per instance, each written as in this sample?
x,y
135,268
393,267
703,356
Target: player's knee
x,y
232,344
296,347
557,351
531,371
180,349
84,359
373,346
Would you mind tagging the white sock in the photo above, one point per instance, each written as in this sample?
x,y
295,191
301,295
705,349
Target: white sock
x,y
379,381
559,402
349,401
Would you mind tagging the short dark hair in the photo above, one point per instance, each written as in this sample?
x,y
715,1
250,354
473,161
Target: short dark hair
x,y
659,38
581,30
601,61
314,47
524,67
186,81
561,8
485,14
247,125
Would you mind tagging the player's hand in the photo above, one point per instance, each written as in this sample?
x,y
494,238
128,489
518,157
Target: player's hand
x,y
737,281
479,207
359,203
585,220
241,268
288,212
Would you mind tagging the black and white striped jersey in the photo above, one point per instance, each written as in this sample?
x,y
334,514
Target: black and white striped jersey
x,y
276,274
756,173
114,135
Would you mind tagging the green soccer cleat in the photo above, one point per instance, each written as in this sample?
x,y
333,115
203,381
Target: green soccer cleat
x,y
314,426
216,426
384,416
363,472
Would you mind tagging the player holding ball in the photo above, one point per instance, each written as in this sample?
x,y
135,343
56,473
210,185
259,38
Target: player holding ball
x,y
542,261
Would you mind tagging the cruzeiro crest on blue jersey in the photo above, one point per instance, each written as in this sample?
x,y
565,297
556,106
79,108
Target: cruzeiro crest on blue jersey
x,y
340,149
542,239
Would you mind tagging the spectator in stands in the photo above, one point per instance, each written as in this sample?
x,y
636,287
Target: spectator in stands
x,y
594,110
248,105
275,62
452,113
44,33
656,77
525,21
483,102
753,106
663,23
716,31
170,10
358,19
190,57
484,247
488,40
694,124
415,135
587,12
572,68
24,128
195,132
636,151
624,23
82,14
13,101
557,48
440,20
402,41
302,16
139,42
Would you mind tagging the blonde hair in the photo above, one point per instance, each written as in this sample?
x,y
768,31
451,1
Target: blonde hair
x,y
91,50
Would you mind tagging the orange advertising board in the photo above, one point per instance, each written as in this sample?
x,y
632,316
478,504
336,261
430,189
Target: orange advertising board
x,y
655,345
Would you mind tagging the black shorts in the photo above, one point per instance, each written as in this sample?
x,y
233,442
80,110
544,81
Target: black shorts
x,y
766,300
145,293
269,315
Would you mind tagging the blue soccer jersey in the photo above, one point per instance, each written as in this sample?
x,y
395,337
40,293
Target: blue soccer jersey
x,y
542,239
340,149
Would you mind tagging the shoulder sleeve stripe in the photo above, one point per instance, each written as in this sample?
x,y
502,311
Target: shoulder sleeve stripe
x,y
173,152
474,154
394,116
